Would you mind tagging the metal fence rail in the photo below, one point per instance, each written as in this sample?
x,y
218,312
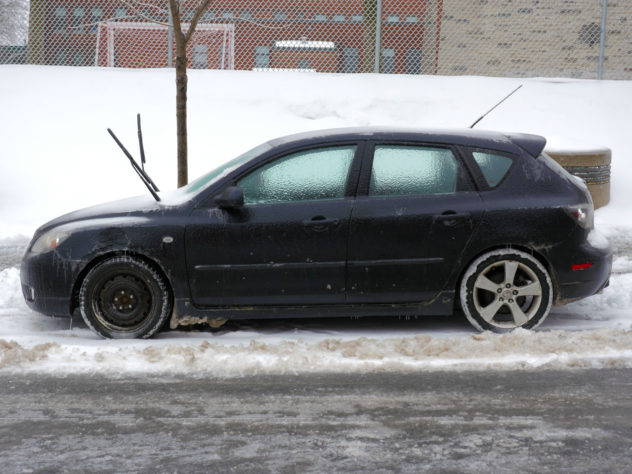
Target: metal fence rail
x,y
557,38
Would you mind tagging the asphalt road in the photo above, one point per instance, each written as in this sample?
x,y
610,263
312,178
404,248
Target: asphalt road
x,y
521,421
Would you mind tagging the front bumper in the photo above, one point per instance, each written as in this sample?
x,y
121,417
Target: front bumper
x,y
47,283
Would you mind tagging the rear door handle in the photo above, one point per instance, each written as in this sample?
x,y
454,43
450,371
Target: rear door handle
x,y
320,223
450,218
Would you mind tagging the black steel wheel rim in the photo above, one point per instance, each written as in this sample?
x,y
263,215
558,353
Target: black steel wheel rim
x,y
124,302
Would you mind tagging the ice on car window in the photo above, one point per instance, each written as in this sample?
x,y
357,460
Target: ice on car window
x,y
306,175
494,167
412,170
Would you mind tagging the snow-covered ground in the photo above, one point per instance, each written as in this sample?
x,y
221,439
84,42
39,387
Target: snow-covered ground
x,y
56,156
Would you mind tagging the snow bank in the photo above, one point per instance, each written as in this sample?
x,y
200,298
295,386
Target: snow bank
x,y
518,349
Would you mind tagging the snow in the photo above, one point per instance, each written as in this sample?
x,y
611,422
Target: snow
x,y
597,239
56,156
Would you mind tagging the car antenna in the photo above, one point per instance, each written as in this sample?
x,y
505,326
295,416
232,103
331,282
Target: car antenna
x,y
501,101
140,171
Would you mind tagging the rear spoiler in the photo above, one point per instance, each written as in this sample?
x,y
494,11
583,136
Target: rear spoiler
x,y
532,144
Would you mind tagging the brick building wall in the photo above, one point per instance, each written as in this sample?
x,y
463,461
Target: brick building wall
x,y
535,38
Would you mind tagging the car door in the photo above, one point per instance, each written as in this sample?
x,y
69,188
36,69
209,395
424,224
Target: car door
x,y
415,213
287,245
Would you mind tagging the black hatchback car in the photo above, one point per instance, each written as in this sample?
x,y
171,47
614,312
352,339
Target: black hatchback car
x,y
348,222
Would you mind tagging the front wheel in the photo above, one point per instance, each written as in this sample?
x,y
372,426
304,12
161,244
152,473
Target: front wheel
x,y
506,289
123,297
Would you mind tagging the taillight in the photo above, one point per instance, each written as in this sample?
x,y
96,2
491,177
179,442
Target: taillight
x,y
583,214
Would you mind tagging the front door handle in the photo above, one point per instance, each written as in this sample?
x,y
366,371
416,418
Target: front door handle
x,y
451,218
320,223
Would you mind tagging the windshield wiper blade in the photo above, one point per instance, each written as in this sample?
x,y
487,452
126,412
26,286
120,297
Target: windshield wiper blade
x,y
140,171
142,153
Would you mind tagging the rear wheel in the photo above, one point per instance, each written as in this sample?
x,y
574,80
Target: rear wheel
x,y
506,289
123,298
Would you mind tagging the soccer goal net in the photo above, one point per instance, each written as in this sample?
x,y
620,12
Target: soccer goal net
x,y
144,44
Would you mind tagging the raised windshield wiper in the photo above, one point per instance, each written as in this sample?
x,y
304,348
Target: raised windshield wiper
x,y
142,174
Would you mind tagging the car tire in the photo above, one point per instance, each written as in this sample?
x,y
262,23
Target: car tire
x,y
506,289
124,298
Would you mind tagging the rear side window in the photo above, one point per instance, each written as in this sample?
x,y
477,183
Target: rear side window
x,y
494,167
412,170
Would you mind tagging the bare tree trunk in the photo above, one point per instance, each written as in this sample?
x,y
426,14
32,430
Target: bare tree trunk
x,y
181,112
182,39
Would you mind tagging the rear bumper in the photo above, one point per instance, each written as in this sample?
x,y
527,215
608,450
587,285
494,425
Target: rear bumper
x,y
577,284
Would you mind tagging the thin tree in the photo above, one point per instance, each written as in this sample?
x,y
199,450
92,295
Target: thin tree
x,y
182,39
182,35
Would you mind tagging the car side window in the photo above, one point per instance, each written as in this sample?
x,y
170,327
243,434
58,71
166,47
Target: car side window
x,y
494,167
306,175
413,170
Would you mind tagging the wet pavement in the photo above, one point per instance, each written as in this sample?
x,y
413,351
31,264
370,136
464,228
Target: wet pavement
x,y
521,421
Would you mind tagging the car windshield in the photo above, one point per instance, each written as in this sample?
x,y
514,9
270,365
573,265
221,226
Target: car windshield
x,y
212,176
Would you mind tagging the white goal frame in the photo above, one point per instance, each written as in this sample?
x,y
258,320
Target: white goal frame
x,y
109,27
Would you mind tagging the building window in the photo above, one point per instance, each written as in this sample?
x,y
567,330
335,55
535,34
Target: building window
x,y
200,56
208,15
188,14
60,57
413,61
96,16
350,60
392,19
357,18
262,57
120,13
339,18
228,16
60,19
320,17
245,15
304,64
412,19
77,20
388,60
280,16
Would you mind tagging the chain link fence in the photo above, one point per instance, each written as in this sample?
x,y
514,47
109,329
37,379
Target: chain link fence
x,y
555,38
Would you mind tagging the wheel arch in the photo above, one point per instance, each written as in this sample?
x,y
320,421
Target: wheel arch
x,y
74,301
534,253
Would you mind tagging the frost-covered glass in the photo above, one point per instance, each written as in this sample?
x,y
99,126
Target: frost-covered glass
x,y
404,170
494,167
302,176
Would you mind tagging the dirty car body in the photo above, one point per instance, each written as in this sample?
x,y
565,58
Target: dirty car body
x,y
347,222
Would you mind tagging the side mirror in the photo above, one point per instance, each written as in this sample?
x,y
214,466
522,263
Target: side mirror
x,y
230,198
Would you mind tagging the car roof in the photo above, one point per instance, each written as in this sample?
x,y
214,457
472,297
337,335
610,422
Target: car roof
x,y
532,144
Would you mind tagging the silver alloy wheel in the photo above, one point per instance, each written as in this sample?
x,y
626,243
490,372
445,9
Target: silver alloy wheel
x,y
505,289
522,300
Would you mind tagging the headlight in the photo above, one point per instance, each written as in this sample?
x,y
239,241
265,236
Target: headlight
x,y
49,241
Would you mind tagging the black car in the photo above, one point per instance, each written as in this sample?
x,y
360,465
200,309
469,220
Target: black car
x,y
348,222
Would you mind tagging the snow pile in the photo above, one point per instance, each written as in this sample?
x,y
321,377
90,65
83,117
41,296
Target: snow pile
x,y
518,349
11,298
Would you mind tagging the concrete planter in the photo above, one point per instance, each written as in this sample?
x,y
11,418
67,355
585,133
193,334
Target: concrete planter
x,y
593,166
